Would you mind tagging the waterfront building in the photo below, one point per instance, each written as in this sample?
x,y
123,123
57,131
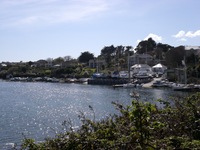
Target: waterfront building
x,y
159,69
97,63
140,67
140,59
192,50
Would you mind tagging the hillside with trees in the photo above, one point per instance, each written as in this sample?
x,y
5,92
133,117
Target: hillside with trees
x,y
115,57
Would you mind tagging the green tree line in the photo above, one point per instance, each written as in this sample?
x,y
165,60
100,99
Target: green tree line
x,y
113,55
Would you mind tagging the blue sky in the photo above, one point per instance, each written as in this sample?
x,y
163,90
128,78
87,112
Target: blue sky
x,y
39,29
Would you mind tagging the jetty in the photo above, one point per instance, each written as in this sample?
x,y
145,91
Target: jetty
x,y
149,84
107,81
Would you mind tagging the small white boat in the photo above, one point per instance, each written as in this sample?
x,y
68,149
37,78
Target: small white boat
x,y
159,83
134,94
83,80
129,85
186,88
132,85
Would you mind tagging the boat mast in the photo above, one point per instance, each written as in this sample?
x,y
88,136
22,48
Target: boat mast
x,y
146,55
185,70
129,75
97,65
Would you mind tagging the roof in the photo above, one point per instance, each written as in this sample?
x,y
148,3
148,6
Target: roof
x,y
140,66
159,66
3,65
192,47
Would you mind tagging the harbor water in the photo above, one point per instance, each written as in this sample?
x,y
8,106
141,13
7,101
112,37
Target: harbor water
x,y
37,109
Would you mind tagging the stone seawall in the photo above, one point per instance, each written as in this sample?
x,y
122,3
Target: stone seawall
x,y
107,81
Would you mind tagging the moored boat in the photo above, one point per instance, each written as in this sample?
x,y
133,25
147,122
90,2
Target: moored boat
x,y
186,88
129,85
159,83
134,94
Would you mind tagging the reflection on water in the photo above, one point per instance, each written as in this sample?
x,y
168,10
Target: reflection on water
x,y
37,110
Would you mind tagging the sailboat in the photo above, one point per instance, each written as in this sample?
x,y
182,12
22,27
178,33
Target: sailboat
x,y
178,86
185,87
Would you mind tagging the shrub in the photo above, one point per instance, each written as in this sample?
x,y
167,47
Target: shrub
x,y
138,126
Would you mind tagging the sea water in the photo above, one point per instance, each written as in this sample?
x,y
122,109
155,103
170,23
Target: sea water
x,y
37,109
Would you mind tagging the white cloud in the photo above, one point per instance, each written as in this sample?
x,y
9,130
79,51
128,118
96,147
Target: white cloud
x,y
180,34
189,34
154,37
26,12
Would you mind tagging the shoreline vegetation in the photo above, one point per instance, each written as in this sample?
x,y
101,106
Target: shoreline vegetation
x,y
112,59
138,126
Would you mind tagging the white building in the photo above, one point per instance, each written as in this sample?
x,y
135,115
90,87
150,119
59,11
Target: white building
x,y
192,50
140,59
141,68
159,68
96,63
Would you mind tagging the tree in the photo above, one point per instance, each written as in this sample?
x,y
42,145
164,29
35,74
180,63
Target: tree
x,y
30,63
146,46
175,56
107,52
159,53
165,47
128,48
128,51
85,57
67,58
58,60
119,51
122,62
192,59
161,50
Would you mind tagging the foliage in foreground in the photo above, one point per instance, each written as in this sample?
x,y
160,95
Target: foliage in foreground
x,y
139,126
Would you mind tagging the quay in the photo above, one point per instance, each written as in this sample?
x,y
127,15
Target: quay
x,y
107,81
149,84
118,82
118,85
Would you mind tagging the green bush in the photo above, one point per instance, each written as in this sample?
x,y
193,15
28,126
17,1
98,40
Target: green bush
x,y
138,126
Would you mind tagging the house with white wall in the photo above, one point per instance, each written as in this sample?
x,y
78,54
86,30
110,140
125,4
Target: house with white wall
x,y
140,59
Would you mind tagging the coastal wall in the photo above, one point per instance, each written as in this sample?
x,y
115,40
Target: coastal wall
x,y
107,81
